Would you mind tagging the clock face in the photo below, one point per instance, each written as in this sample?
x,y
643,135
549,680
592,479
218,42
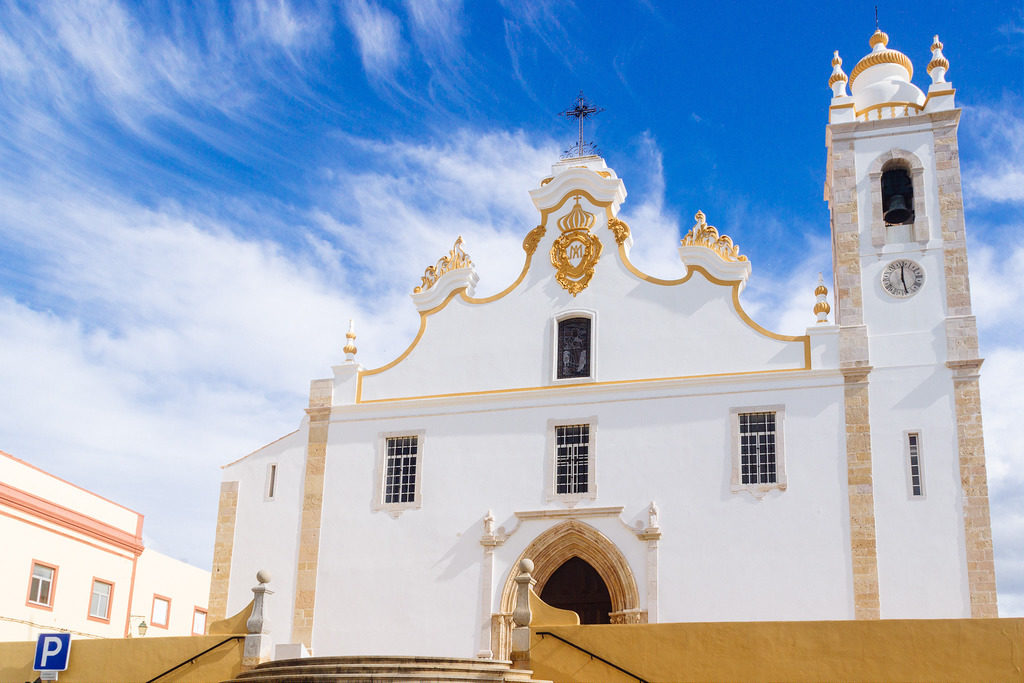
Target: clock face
x,y
902,278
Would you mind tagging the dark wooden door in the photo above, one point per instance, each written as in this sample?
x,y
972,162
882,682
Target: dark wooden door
x,y
577,586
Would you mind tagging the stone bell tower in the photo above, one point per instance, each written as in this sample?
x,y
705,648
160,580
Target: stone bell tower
x,y
908,342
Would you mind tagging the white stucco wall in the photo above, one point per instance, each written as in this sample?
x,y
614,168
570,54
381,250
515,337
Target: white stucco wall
x,y
671,363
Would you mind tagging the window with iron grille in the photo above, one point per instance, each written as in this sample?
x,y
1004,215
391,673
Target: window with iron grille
x,y
400,466
757,448
914,463
572,458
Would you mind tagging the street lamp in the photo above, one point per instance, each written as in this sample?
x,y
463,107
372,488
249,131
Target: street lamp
x,y
143,628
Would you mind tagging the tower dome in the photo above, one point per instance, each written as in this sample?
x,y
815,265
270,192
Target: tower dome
x,y
883,77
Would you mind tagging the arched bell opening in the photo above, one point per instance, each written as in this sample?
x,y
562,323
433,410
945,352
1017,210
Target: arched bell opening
x,y
578,587
897,195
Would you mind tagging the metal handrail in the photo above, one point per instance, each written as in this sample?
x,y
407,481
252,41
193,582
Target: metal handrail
x,y
595,656
194,658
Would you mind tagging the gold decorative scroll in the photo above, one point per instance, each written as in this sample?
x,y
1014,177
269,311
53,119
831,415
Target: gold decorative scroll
x,y
704,235
456,258
533,238
575,252
619,228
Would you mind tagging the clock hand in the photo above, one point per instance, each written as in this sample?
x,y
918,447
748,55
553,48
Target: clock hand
x,y
904,281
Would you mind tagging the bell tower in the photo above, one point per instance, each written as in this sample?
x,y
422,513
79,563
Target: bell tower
x,y
918,491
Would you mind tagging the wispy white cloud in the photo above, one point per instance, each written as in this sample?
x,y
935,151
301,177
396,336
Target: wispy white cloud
x,y
437,27
378,35
997,175
279,22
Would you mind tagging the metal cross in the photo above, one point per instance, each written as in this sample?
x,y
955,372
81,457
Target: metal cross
x,y
582,110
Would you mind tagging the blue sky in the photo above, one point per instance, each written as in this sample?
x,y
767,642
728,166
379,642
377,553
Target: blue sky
x,y
195,198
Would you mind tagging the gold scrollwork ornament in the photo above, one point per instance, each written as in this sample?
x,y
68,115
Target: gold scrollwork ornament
x,y
576,251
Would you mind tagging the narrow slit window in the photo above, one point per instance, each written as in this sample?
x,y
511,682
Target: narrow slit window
x,y
271,481
758,464
400,469
572,458
914,462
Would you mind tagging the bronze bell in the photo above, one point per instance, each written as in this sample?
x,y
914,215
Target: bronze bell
x,y
898,212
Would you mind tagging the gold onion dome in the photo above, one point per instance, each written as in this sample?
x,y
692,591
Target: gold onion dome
x,y
837,69
937,57
820,289
881,54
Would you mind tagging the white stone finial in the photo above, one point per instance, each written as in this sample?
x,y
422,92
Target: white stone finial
x,y
521,614
838,79
939,65
489,523
350,345
652,516
257,622
821,305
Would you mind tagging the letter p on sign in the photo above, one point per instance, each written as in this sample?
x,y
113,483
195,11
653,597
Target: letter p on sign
x,y
52,650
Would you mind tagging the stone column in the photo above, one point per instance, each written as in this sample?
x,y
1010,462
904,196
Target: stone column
x,y
963,360
854,362
224,543
863,550
319,411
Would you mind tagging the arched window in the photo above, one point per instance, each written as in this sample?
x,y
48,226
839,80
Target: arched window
x,y
897,196
574,348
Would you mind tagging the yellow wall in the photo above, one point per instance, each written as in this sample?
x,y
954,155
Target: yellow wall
x,y
119,660
888,650
131,660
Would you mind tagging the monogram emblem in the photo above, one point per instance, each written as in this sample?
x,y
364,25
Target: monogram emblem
x,y
575,252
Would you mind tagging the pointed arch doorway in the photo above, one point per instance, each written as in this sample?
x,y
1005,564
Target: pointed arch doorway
x,y
553,549
578,587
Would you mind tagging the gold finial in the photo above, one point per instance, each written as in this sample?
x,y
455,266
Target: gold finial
x,y
879,36
704,235
838,75
456,258
821,306
350,346
938,61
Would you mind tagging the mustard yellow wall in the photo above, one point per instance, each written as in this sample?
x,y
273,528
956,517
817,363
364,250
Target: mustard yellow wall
x,y
989,650
132,660
120,660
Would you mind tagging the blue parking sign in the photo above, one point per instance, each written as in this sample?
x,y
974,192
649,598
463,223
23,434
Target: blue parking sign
x,y
52,650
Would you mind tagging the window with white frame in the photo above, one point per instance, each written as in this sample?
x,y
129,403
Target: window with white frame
x,y
198,621
271,486
571,464
41,585
399,475
915,468
758,465
161,612
572,458
574,347
99,600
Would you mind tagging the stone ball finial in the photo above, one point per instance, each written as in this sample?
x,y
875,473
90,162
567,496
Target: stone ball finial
x,y
526,565
263,576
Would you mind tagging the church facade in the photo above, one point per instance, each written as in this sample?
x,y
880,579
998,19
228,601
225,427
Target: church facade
x,y
658,454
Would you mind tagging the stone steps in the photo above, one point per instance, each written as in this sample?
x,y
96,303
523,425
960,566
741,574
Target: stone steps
x,y
361,669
